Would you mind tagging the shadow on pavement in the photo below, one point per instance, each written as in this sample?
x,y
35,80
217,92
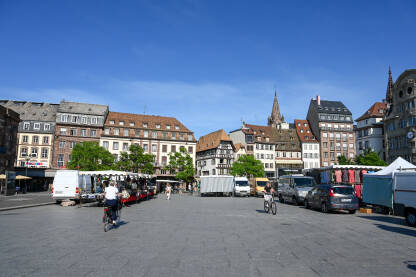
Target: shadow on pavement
x,y
261,211
399,230
411,265
121,223
386,219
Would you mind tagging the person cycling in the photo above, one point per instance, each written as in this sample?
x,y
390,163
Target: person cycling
x,y
268,190
111,195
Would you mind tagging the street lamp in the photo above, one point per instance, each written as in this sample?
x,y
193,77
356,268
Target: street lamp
x,y
27,159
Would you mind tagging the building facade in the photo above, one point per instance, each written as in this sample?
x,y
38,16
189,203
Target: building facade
x,y
400,118
331,123
36,133
214,154
76,123
157,135
309,144
9,123
370,130
239,150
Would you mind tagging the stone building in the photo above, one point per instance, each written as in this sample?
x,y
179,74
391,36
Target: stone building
x,y
75,123
309,144
400,118
370,130
331,123
157,135
36,133
214,154
9,123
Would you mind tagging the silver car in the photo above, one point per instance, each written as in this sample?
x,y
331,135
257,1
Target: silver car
x,y
294,188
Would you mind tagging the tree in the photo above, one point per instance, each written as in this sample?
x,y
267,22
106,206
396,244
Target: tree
x,y
342,160
370,157
136,160
89,156
181,162
247,166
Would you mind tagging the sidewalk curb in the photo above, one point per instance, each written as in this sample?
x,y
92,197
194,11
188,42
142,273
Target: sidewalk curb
x,y
26,206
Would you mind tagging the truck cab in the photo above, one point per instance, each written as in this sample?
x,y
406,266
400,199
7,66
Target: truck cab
x,y
405,195
257,186
241,186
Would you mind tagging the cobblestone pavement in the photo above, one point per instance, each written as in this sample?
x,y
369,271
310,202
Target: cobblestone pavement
x,y
193,236
29,198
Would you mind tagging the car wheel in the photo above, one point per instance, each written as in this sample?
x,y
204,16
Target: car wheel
x,y
351,211
324,207
306,204
295,201
411,218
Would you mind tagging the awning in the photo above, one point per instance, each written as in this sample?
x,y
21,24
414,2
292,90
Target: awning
x,y
166,181
21,177
289,162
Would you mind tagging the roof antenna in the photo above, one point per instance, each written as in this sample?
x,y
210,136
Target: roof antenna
x,y
144,110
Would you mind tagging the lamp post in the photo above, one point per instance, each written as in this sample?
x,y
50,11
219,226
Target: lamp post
x,y
27,159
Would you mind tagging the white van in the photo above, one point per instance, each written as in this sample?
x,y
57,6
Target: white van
x,y
69,184
241,187
405,195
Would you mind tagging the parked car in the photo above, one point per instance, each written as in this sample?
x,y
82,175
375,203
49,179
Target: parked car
x,y
293,188
241,186
332,198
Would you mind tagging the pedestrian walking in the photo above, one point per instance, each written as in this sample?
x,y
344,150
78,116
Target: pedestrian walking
x,y
168,191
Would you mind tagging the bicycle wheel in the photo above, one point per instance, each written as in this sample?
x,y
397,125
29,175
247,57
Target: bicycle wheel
x,y
266,206
274,208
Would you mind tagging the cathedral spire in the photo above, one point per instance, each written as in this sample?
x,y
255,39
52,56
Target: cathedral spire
x,y
275,117
389,91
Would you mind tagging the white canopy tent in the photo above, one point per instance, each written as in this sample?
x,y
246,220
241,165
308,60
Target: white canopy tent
x,y
398,164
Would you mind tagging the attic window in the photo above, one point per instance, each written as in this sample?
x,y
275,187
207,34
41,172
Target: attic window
x,y
112,122
70,107
131,124
89,109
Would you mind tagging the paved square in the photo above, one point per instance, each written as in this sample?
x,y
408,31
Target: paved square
x,y
193,236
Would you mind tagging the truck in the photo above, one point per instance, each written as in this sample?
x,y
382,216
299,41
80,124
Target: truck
x,y
405,196
69,185
241,186
257,186
217,184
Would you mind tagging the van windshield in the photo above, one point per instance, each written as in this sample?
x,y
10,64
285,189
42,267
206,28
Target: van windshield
x,y
343,190
304,182
261,183
241,183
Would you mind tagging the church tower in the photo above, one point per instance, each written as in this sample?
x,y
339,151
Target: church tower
x,y
275,119
389,91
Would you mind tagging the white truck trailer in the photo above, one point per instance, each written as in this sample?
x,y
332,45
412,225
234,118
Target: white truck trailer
x,y
217,185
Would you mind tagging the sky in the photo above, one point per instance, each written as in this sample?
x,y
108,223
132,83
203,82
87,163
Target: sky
x,y
211,64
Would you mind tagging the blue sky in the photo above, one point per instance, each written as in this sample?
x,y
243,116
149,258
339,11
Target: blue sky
x,y
211,64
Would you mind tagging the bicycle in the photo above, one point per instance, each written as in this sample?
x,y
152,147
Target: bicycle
x,y
108,215
269,204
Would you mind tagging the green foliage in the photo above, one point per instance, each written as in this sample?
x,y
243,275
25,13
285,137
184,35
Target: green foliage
x,y
247,166
89,156
181,162
342,160
370,157
136,160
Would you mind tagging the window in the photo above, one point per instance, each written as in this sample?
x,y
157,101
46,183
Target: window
x,y
165,135
164,160
145,133
84,120
213,172
154,134
126,132
44,153
93,133
72,144
164,148
121,123
182,136
34,152
64,118
83,132
176,127
173,148
325,154
351,136
173,135
45,140
325,135
145,125
105,144
145,148
190,149
75,119
94,120
168,127
137,132
25,139
351,146
106,131
125,146
112,122
154,148
157,126
46,126
115,145
36,126
62,131
62,144
35,139
116,131
60,160
72,132
23,152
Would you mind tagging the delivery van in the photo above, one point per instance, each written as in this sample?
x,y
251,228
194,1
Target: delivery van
x,y
241,186
257,186
69,184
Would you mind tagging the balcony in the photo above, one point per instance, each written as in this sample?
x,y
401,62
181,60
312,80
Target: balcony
x,y
223,166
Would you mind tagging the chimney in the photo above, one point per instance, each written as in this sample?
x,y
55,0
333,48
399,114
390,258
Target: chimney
x,y
318,100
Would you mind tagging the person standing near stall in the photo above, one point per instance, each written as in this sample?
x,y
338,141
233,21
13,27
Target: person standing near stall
x,y
168,191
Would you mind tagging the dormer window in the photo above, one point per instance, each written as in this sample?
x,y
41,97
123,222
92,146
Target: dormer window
x,y
121,123
168,127
299,124
131,124
112,122
145,125
157,126
301,130
176,127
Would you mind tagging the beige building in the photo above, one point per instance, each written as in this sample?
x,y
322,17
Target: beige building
x,y
157,135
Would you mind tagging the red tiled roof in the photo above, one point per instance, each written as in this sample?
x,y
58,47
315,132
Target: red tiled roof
x,y
376,110
304,131
212,140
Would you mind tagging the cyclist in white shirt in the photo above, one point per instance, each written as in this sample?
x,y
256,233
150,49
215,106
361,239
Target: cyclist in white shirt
x,y
111,195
